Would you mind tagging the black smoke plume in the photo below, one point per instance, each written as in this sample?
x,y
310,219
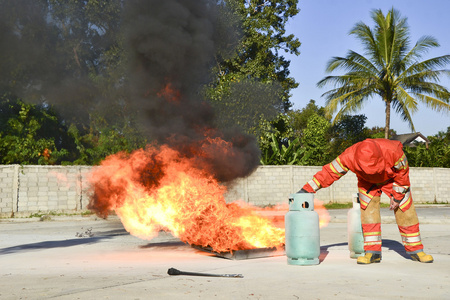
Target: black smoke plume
x,y
172,45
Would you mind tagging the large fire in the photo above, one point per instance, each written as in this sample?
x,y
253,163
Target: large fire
x,y
158,189
177,189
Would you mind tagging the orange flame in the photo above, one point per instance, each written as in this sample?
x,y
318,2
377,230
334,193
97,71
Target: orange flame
x,y
276,213
158,189
324,216
169,93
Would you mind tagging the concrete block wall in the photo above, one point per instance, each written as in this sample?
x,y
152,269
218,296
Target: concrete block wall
x,y
441,180
85,172
273,184
54,188
269,184
30,189
8,188
430,184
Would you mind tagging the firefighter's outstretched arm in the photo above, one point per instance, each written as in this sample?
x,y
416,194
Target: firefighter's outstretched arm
x,y
330,173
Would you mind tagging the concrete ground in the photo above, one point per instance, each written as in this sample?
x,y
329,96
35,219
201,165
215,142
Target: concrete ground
x,y
58,259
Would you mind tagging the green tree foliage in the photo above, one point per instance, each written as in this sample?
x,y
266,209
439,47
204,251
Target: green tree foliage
x,y
69,54
378,132
101,142
390,69
436,155
306,136
90,50
299,118
346,132
316,142
25,37
246,103
69,57
319,142
288,153
35,134
31,134
445,136
257,55
278,143
272,136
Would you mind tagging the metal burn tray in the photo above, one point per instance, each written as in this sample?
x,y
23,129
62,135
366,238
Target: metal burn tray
x,y
244,254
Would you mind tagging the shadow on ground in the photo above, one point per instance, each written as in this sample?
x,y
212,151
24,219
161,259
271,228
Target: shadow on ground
x,y
169,244
390,244
64,243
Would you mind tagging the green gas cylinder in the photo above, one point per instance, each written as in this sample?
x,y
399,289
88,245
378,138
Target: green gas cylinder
x,y
354,229
302,230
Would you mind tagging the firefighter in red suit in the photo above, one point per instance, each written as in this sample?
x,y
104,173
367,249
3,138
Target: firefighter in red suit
x,y
380,166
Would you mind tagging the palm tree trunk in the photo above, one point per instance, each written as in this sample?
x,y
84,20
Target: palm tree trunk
x,y
388,119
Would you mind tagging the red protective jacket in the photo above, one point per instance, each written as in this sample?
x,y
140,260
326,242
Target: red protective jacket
x,y
380,166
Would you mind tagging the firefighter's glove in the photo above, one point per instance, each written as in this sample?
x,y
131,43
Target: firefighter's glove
x,y
302,191
394,203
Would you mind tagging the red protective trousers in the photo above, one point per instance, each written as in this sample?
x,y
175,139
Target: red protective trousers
x,y
408,225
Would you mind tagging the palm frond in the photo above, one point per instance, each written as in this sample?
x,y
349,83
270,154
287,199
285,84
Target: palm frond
x,y
392,36
407,117
405,104
427,65
351,80
434,103
365,34
362,62
351,100
334,63
421,47
333,100
420,85
352,62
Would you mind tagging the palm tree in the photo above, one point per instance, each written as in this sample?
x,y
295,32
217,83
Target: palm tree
x,y
389,70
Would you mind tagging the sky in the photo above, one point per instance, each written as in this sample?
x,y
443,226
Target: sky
x,y
323,27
